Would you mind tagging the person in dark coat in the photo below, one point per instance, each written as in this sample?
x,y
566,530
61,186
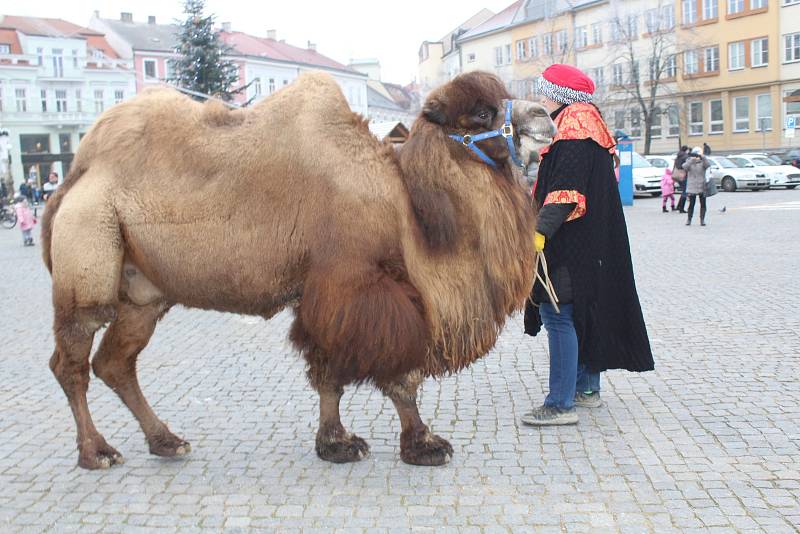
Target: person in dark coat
x,y
680,159
706,149
582,233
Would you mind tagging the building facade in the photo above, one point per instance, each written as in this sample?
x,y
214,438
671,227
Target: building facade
x,y
789,50
55,79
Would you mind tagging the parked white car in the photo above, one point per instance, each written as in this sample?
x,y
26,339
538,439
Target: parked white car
x,y
646,177
779,175
661,161
729,176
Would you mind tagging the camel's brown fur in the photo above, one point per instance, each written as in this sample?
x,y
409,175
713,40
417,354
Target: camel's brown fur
x,y
397,268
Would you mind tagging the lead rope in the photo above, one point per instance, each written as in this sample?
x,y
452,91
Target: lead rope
x,y
545,281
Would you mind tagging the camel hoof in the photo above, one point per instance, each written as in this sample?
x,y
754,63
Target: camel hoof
x,y
431,451
351,448
101,459
169,446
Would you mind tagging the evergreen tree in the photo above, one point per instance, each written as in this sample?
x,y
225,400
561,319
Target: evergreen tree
x,y
200,66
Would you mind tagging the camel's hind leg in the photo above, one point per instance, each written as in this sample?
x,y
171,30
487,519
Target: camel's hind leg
x,y
115,364
74,332
418,446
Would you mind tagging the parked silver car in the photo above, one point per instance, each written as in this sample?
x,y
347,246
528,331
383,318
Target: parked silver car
x,y
729,176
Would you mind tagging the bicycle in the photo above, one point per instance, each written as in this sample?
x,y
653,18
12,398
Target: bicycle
x,y
8,216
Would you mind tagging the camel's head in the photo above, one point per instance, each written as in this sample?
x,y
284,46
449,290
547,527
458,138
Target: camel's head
x,y
475,103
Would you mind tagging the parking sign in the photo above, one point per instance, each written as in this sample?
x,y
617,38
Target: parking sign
x,y
791,124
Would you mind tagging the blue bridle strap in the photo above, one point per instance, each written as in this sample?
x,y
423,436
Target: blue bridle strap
x,y
507,131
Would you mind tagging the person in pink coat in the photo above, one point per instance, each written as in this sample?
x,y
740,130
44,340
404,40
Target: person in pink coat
x,y
667,190
25,219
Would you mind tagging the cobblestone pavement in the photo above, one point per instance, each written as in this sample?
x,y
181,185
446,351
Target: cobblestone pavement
x,y
709,441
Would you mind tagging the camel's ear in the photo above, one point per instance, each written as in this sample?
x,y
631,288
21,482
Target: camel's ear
x,y
434,111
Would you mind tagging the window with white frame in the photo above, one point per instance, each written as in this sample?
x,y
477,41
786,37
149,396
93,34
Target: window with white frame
x,y
597,34
616,30
22,99
633,26
40,56
599,76
522,52
791,47
759,52
636,124
471,57
99,104
507,49
74,59
257,87
735,6
61,100
741,113
561,40
619,120
150,70
763,112
736,56
547,44
43,93
58,62
652,20
581,37
711,59
271,86
533,47
498,56
170,68
5,48
790,2
671,66
792,107
1,96
655,123
758,4
688,11
715,123
286,82
668,17
710,9
617,76
690,65
78,101
635,72
119,96
674,119
653,69
695,118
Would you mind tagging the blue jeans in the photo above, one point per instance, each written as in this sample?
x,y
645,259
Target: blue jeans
x,y
565,373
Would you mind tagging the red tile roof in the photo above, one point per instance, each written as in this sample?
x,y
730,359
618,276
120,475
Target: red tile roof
x,y
10,24
499,21
9,37
250,45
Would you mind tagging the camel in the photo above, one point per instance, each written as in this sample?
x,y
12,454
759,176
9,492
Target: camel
x,y
398,267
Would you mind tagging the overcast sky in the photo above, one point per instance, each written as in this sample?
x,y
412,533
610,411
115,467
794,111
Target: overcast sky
x,y
388,30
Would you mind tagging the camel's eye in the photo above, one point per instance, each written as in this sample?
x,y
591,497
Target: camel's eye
x,y
484,115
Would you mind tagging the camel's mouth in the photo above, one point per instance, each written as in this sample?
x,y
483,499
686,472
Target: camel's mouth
x,y
542,139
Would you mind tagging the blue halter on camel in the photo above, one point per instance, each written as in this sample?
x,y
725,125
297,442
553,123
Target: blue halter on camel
x,y
506,130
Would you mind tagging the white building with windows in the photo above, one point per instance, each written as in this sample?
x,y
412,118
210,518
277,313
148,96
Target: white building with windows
x,y
55,79
488,46
789,49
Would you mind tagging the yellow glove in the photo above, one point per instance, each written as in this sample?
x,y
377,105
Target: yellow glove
x,y
538,242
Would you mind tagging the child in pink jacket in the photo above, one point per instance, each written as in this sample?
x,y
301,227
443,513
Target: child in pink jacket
x,y
667,190
25,219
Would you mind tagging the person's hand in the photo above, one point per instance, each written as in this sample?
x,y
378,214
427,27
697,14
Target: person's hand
x,y
538,242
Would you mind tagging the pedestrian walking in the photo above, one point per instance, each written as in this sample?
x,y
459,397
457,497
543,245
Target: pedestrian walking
x,y
667,191
25,219
679,175
50,186
594,321
695,166
706,149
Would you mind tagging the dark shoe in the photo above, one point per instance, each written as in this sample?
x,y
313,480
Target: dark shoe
x,y
688,222
588,400
550,416
681,211
664,209
702,222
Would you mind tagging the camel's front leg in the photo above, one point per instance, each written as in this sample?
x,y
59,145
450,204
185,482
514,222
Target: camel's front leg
x,y
334,443
418,446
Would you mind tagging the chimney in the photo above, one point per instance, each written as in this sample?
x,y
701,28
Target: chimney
x,y
151,19
126,17
312,46
226,26
272,34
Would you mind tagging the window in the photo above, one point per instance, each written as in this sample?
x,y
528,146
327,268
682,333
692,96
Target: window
x,y
547,44
1,96
792,47
619,120
43,92
533,47
170,65
597,34
34,144
759,52
790,2
758,4
58,63
598,76
655,124
64,143
150,72
715,116
507,49
561,40
736,56
5,49
741,114
616,74
636,124
98,101
653,70
498,55
40,56
634,73
581,37
119,96
735,6
470,58
651,20
696,118
710,9
22,101
78,101
74,59
286,82
633,26
763,113
668,17
616,31
674,118
271,85
522,52
671,66
711,59
61,100
257,87
689,11
690,62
